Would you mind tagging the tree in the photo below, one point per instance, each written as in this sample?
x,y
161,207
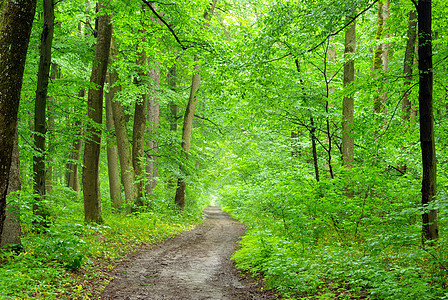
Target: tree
x,y
11,228
381,56
90,175
348,102
40,109
124,150
179,198
112,153
16,20
408,113
153,111
138,132
430,231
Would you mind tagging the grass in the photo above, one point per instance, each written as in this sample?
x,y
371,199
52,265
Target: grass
x,y
73,260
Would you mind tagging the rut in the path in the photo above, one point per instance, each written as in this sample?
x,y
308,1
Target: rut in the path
x,y
194,265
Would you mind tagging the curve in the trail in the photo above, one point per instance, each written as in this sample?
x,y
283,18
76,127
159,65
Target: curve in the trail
x,y
193,265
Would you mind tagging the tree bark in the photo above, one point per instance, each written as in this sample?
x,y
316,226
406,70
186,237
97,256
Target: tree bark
x,y
348,102
406,106
16,20
186,133
430,230
112,155
75,155
49,178
40,108
381,58
124,150
152,125
11,228
138,132
90,175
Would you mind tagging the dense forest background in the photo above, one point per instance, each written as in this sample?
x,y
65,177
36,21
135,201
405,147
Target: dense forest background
x,y
319,124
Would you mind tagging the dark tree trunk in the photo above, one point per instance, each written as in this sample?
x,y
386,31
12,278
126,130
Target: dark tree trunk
x,y
90,176
312,128
40,110
16,20
430,230
314,148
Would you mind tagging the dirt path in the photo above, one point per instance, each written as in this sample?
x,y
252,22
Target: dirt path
x,y
194,265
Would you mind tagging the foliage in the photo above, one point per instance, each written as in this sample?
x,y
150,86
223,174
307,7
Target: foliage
x,y
310,241
271,77
72,259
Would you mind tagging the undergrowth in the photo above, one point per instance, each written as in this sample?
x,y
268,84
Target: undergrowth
x,y
310,241
73,260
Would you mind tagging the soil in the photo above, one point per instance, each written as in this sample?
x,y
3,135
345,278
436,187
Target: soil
x,y
194,265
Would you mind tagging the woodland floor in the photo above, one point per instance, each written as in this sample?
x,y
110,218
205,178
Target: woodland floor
x,y
194,265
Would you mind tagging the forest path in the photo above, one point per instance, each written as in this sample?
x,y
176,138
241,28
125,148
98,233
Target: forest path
x,y
193,265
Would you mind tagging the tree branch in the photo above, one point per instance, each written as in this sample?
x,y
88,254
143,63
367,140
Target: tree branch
x,y
166,24
345,26
204,118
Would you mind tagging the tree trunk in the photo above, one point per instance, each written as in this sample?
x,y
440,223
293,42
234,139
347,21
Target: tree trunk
x,y
16,20
172,112
186,133
152,125
172,106
40,107
429,228
73,166
381,58
314,148
124,150
90,174
312,128
11,228
112,155
348,102
406,106
179,199
55,74
138,133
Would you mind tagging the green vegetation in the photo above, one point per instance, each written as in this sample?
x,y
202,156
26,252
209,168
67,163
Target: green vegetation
x,y
322,125
311,242
73,260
